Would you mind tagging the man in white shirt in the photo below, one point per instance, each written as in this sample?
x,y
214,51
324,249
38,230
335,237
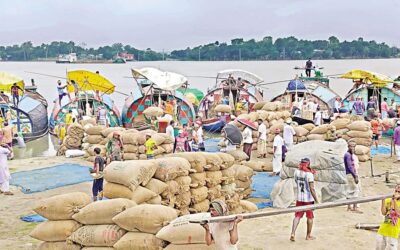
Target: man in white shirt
x,y
262,139
318,117
277,158
170,130
288,133
198,137
247,141
336,106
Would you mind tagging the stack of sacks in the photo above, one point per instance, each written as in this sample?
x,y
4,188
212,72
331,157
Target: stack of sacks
x,y
59,210
243,180
73,139
258,166
301,134
93,139
86,123
341,125
131,138
324,132
143,222
223,108
361,133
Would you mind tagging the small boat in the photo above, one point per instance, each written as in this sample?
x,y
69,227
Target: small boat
x,y
94,92
235,84
154,87
29,117
119,60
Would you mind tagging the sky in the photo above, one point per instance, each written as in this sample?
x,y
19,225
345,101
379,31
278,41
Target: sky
x,y
177,24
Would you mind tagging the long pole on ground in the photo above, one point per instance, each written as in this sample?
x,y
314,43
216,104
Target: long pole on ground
x,y
297,209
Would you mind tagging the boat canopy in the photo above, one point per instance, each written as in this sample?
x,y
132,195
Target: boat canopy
x,y
236,73
163,80
89,81
376,79
7,80
296,85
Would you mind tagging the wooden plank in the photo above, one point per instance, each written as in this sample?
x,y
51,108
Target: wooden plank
x,y
296,209
367,226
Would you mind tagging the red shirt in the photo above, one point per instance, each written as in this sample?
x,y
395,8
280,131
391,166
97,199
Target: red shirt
x,y
375,126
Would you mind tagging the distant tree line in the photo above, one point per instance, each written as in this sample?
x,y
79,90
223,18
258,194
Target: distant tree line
x,y
289,48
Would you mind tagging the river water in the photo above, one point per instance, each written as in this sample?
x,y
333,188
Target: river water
x,y
120,75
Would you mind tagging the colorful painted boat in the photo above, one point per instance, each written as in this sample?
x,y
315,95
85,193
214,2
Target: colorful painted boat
x,y
153,87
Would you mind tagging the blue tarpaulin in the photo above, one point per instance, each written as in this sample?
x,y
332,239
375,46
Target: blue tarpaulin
x,y
39,180
262,185
211,144
33,218
382,150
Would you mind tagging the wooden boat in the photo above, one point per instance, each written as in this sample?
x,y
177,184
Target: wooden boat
x,y
152,88
29,117
235,84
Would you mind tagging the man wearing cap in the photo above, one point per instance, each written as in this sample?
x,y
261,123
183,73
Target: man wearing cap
x,y
352,188
262,139
396,140
277,158
306,195
288,133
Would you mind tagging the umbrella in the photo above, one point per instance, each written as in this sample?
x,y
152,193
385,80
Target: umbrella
x,y
87,80
233,134
7,80
162,79
367,77
247,123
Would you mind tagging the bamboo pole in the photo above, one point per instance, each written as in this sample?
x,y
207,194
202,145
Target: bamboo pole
x,y
295,209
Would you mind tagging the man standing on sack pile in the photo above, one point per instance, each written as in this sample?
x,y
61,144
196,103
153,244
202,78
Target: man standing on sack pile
x,y
352,186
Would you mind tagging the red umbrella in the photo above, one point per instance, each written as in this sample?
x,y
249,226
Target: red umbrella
x,y
248,123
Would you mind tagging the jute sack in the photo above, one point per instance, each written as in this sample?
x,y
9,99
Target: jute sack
x,y
181,231
229,189
113,191
142,150
199,194
270,106
248,206
363,158
91,121
362,141
101,147
198,179
108,131
362,150
156,200
171,167
138,241
158,138
360,134
196,159
184,183
102,212
156,186
98,248
341,123
169,201
253,116
54,230
267,167
243,184
142,195
168,148
214,192
191,247
142,156
95,130
342,131
259,105
239,155
97,235
201,207
62,207
246,193
173,188
227,160
146,218
300,131
60,245
213,178
183,199
130,173
308,126
130,148
153,112
214,162
322,129
312,137
132,138
130,156
94,139
255,165
223,108
359,126
242,172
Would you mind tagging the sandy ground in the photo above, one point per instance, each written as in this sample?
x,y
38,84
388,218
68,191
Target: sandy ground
x,y
334,228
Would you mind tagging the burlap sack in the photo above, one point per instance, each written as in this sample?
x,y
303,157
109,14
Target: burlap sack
x,y
94,139
243,184
156,186
359,126
171,167
130,173
142,195
108,131
130,148
181,231
183,200
213,178
214,192
196,159
223,108
184,183
91,148
248,206
159,138
363,158
255,165
201,207
199,194
133,138
362,141
146,218
198,179
300,131
168,148
341,123
173,188
113,191
267,166
362,150
259,105
270,106
169,201
308,126
360,134
102,212
312,137
214,162
95,130
138,241
54,230
62,207
130,156
60,245
239,155
155,201
242,172
322,129
97,235
227,160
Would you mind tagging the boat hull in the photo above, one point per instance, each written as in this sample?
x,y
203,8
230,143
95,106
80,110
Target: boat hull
x,y
213,126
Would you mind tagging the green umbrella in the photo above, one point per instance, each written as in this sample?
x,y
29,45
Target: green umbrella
x,y
196,92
